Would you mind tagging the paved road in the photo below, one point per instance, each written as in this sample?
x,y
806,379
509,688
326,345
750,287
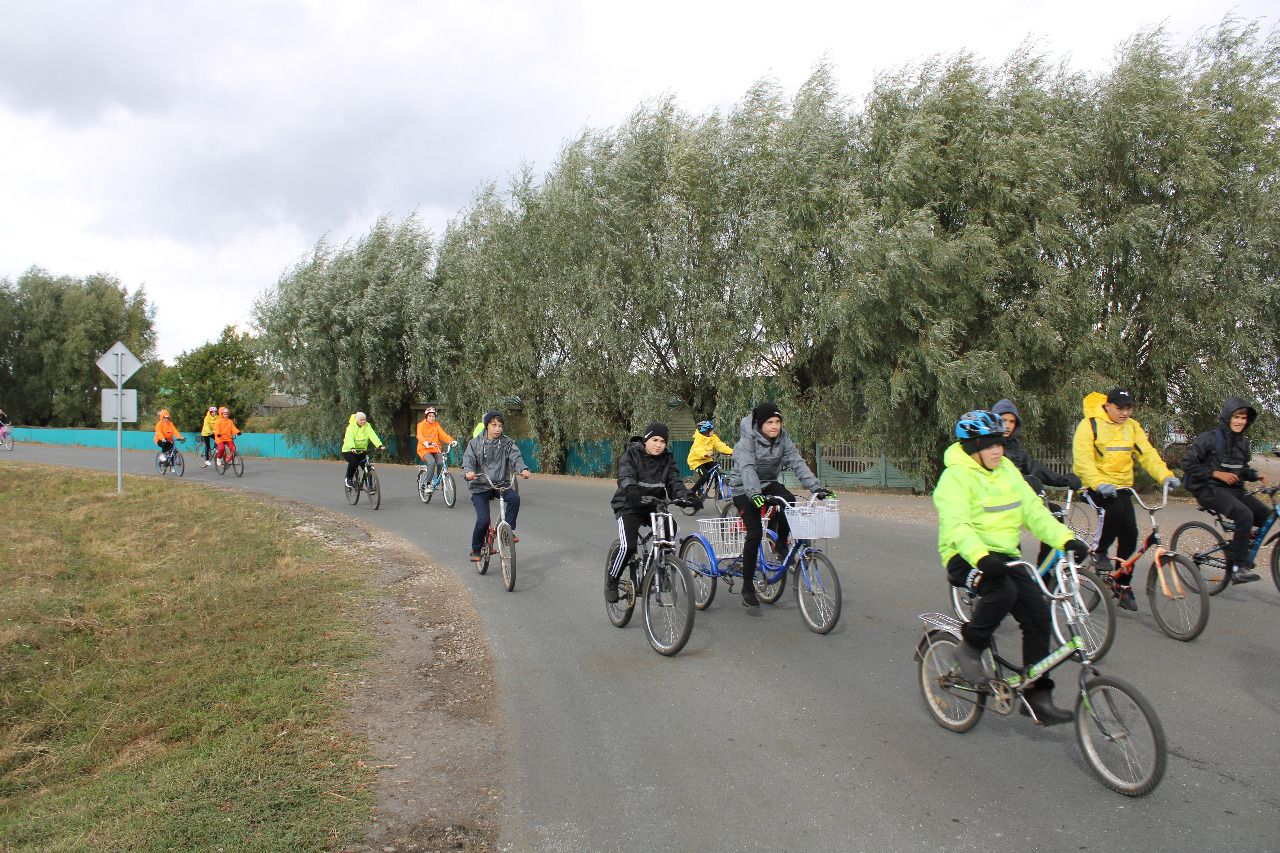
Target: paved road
x,y
764,736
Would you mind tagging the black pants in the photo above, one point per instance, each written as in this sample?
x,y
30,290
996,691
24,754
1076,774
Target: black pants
x,y
207,440
1000,594
353,462
1119,525
165,446
704,472
755,530
629,523
1245,511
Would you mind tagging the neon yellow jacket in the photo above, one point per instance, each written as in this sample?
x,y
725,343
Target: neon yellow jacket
x,y
981,511
705,447
209,420
357,438
1108,457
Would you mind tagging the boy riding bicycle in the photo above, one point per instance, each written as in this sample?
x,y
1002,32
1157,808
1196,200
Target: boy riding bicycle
x,y
1217,467
706,444
224,434
431,440
355,443
497,457
983,503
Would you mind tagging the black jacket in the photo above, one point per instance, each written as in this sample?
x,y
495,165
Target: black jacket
x,y
1036,475
1203,458
657,476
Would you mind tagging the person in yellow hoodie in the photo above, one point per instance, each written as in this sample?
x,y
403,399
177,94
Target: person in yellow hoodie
x,y
206,433
983,503
1105,444
706,444
356,441
166,433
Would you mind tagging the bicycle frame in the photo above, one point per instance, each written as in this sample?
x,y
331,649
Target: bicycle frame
x,y
1259,539
1152,540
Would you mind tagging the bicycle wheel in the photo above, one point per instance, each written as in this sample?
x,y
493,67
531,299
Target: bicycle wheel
x,y
162,467
237,465
729,510
702,571
353,491
620,611
1081,520
818,592
220,465
179,464
962,603
1275,564
423,483
668,606
688,484
450,491
1097,619
1204,547
507,555
371,486
7,441
953,709
486,551
1120,736
1179,601
768,591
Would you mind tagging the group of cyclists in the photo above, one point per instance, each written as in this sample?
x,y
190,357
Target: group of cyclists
x,y
217,435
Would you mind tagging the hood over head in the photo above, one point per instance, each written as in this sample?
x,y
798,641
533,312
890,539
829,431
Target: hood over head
x,y
1231,405
1093,405
1007,406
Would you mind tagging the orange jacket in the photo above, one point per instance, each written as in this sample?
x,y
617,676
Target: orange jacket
x,y
432,437
224,429
166,431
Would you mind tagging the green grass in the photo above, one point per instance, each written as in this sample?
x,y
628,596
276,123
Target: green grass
x,y
167,684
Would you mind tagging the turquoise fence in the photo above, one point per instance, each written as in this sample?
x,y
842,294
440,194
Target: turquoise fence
x,y
248,443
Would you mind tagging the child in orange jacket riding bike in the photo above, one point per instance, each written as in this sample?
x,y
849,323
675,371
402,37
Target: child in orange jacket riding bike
x,y
432,439
166,433
224,433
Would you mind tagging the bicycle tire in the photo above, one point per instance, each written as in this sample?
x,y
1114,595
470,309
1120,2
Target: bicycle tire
x,y
688,484
450,490
1116,718
619,612
371,488
1081,520
1207,550
668,612
237,465
962,603
507,555
423,483
1275,564
729,510
220,465
702,565
1186,611
768,591
353,491
161,467
817,589
956,711
178,463
7,441
1097,630
486,551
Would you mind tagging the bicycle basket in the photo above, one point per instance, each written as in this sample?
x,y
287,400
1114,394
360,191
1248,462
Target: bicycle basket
x,y
817,520
726,535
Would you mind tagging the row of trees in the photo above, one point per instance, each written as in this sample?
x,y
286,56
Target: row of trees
x,y
966,233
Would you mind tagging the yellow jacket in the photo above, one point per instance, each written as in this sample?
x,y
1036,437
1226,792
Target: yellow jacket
x,y
705,447
209,420
1107,457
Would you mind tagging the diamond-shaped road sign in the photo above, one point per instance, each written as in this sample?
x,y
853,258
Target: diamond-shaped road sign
x,y
118,363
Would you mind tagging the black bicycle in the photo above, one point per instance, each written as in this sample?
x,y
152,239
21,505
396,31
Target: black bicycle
x,y
662,582
1207,548
365,480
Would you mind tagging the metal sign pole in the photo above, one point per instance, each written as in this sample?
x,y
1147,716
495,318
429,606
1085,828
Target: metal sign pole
x,y
119,430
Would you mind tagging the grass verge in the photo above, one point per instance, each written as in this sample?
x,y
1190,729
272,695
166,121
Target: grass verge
x,y
172,665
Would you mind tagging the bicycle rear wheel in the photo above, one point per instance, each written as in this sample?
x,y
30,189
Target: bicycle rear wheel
x,y
702,571
1120,736
1097,619
507,556
668,606
371,486
688,484
423,485
8,441
1275,564
1081,520
1178,599
620,611
450,491
237,465
818,592
768,591
952,708
486,552
1207,550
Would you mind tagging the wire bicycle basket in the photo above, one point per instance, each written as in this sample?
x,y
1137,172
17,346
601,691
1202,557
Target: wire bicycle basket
x,y
817,520
727,536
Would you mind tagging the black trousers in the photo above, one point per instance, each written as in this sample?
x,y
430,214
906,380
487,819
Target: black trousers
x,y
1119,525
629,524
1245,511
704,471
755,529
1000,594
353,461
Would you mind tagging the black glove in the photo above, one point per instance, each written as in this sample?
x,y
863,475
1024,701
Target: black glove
x,y
990,566
1077,549
822,494
696,502
1073,482
633,495
757,501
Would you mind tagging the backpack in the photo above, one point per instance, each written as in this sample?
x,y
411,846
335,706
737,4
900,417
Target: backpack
x,y
1173,453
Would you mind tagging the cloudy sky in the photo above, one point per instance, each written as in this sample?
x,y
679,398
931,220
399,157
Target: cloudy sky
x,y
199,149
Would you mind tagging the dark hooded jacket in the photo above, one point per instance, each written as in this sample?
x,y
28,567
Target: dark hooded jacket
x,y
657,476
1203,458
1037,476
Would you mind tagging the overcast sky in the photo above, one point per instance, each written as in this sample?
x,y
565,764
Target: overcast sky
x,y
200,149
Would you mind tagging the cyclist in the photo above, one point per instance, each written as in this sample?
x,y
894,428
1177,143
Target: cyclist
x,y
166,433
355,443
983,503
498,457
1217,467
764,448
702,455
1102,451
224,433
431,438
206,434
646,469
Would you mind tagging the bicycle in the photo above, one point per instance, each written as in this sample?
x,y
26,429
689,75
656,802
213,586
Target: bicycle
x,y
170,460
715,488
664,584
6,437
715,552
1116,728
234,462
442,480
202,449
365,479
1085,588
500,537
1172,580
1207,548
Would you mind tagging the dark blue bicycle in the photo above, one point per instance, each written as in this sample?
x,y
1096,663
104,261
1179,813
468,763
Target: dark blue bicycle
x,y
1207,548
715,489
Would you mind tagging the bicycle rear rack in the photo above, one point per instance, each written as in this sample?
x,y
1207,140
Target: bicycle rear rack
x,y
941,622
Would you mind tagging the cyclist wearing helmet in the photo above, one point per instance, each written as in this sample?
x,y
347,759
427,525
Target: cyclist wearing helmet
x,y
431,438
224,433
206,433
702,455
983,503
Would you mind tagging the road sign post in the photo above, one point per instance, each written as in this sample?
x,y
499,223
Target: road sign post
x,y
119,364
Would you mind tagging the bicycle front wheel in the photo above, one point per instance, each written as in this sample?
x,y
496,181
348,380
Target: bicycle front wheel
x,y
162,467
1095,616
1207,550
688,484
1120,736
768,591
507,555
962,603
1275,564
179,464
1178,599
954,709
818,592
668,606
371,486
620,611
237,465
220,465
423,485
450,491
702,571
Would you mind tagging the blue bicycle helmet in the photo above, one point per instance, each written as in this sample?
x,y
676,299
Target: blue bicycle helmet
x,y
979,429
705,427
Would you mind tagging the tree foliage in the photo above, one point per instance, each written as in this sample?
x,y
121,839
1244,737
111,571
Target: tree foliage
x,y
227,372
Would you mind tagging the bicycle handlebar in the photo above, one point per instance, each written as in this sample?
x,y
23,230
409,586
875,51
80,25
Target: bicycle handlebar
x,y
1035,576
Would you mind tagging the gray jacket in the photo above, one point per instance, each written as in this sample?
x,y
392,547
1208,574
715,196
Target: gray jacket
x,y
499,458
757,461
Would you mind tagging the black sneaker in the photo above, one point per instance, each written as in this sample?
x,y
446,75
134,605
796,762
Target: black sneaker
x,y
611,590
1049,714
1125,598
749,596
1243,574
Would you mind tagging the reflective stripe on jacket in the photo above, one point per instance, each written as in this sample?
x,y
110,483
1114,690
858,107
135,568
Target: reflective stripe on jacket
x,y
1108,456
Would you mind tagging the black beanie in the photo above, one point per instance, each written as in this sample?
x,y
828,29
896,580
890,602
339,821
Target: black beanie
x,y
488,416
763,412
981,442
658,429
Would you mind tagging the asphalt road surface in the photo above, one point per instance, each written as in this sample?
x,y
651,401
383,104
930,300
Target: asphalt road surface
x,y
761,735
